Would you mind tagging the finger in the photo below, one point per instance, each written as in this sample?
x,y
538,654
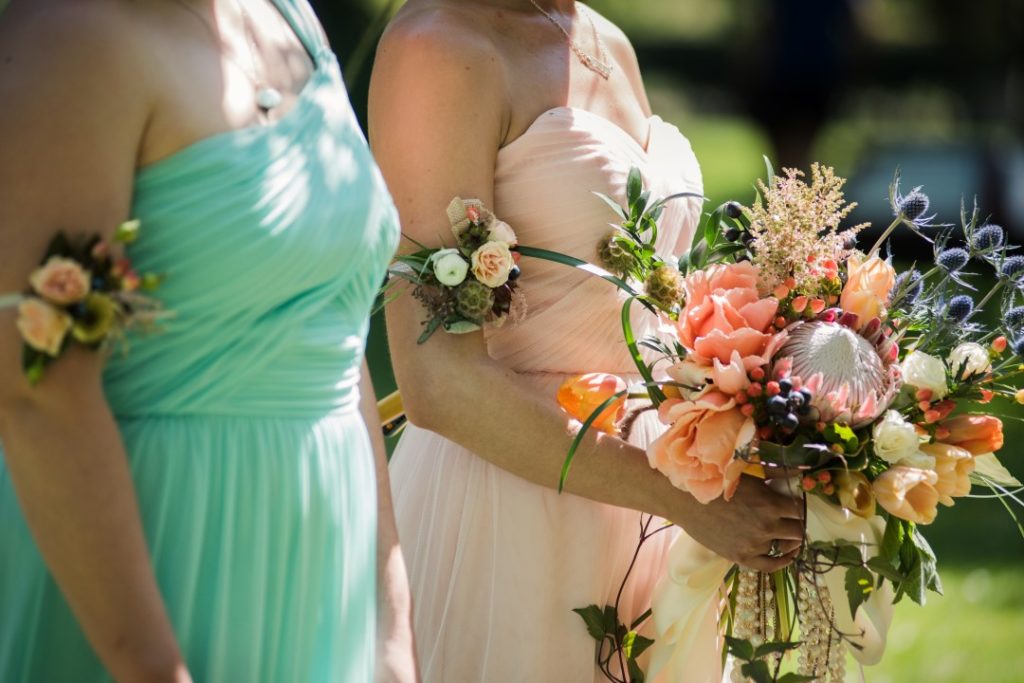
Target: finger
x,y
787,530
788,547
767,564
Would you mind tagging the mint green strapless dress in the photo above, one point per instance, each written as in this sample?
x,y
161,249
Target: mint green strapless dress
x,y
252,464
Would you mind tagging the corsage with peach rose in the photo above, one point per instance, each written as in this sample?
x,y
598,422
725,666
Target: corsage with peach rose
x,y
470,284
799,359
85,292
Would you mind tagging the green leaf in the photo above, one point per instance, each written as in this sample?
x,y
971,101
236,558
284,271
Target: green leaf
x,y
739,648
431,327
634,185
619,211
636,674
860,583
593,617
713,226
698,255
892,540
793,677
769,169
640,645
758,671
657,395
883,567
774,648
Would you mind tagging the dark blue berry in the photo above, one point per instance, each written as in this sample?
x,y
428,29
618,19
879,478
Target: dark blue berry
x,y
98,283
732,234
777,405
914,205
954,259
850,243
785,386
733,210
795,400
1018,346
514,273
79,310
806,393
960,307
988,237
790,421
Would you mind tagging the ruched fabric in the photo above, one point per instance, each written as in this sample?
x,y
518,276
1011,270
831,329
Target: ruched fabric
x,y
497,564
252,465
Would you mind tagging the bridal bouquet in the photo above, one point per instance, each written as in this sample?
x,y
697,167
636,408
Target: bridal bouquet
x,y
472,283
793,356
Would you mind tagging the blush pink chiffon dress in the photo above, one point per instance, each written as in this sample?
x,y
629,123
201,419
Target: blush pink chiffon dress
x,y
497,563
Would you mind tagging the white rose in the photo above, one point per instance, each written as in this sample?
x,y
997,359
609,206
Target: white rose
x,y
925,372
449,267
502,232
894,438
972,357
492,263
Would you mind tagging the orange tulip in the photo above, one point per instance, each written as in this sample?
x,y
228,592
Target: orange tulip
x,y
953,466
855,493
581,395
908,493
975,433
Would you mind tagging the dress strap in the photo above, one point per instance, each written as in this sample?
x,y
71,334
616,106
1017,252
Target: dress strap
x,y
302,20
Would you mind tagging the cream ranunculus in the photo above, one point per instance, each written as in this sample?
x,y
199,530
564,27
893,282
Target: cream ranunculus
x,y
925,372
450,267
894,438
973,358
42,326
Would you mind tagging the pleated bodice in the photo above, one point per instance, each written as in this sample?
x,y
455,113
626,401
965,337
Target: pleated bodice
x,y
544,185
258,232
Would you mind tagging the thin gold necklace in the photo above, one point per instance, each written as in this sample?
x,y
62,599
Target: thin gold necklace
x,y
600,65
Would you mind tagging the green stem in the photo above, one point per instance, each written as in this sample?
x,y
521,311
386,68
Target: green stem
x,y
885,235
981,304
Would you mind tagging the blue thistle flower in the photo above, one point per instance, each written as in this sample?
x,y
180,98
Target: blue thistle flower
x,y
1012,267
1018,346
1013,319
956,258
914,205
960,308
988,237
910,283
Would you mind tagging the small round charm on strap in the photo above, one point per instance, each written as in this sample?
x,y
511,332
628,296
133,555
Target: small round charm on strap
x,y
268,98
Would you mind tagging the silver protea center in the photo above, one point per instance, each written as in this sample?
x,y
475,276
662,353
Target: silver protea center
x,y
846,372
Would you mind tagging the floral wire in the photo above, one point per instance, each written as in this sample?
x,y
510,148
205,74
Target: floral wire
x,y
992,485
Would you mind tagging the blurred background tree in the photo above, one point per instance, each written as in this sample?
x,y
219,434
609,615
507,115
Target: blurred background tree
x,y
934,87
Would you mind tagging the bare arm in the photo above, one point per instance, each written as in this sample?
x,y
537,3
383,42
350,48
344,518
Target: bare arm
x,y
448,147
67,163
396,655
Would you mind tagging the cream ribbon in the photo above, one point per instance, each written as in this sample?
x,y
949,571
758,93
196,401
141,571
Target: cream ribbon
x,y
688,600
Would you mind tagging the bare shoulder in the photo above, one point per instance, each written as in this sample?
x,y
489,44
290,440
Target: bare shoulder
x,y
619,45
442,42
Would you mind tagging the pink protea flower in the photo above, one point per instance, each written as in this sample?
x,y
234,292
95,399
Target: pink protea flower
x,y
853,378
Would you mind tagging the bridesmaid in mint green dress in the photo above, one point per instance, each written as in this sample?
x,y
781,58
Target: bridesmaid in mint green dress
x,y
240,419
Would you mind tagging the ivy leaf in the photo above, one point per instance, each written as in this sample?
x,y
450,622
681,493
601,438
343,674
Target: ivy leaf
x,y
757,671
594,619
860,583
774,648
740,648
640,645
892,540
884,568
636,674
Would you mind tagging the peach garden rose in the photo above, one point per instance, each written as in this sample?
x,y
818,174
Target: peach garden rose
x,y
42,326
61,281
697,452
724,315
491,263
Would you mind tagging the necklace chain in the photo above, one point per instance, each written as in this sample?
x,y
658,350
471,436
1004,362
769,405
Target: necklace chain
x,y
600,65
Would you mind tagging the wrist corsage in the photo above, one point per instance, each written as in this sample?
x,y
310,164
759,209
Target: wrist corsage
x,y
84,292
473,283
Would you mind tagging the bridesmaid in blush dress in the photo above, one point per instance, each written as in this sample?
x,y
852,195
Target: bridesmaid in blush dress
x,y
518,112
205,506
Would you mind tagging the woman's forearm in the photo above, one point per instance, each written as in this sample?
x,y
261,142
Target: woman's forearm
x,y
453,388
69,470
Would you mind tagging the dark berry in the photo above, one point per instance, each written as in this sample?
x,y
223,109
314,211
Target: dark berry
x,y
777,405
732,234
98,283
785,386
790,421
733,210
514,273
850,243
795,400
1018,346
